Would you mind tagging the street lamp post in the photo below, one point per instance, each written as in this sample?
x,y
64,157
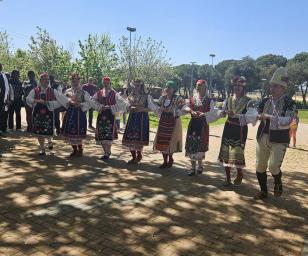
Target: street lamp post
x,y
211,77
130,54
192,77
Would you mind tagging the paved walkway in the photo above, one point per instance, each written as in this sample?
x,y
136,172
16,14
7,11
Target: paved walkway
x,y
60,206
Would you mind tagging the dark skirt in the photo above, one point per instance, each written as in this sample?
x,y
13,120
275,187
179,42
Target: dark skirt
x,y
74,125
137,130
197,139
233,145
42,120
106,128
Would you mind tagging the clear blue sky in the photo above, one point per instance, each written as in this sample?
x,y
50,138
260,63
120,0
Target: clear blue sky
x,y
190,30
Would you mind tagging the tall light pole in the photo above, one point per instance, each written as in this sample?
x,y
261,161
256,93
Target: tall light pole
x,y
192,77
211,76
130,54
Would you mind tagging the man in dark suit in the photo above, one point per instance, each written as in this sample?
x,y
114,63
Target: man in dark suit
x,y
4,99
28,86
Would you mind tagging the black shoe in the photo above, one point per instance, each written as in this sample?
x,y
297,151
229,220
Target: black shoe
x,y
170,164
260,195
42,152
164,166
79,153
105,157
278,190
50,146
200,170
132,161
74,153
191,173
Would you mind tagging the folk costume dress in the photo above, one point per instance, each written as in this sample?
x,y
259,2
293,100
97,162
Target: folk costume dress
x,y
197,138
234,134
74,127
168,138
42,115
106,129
136,134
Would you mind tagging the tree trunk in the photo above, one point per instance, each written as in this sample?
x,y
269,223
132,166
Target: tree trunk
x,y
304,94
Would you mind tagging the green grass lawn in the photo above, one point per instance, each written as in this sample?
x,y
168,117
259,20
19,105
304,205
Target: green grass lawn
x,y
154,120
185,121
303,116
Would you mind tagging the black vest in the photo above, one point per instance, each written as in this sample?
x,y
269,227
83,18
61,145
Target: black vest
x,y
276,136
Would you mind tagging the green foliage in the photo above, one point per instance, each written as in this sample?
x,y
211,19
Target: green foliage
x,y
271,59
298,73
22,61
48,56
5,52
97,57
149,61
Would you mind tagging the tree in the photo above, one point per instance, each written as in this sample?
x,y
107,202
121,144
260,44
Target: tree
x,y
271,59
97,57
265,75
21,60
48,56
149,61
183,73
5,52
298,73
223,80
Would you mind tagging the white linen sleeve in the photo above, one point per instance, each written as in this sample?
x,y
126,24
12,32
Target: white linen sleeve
x,y
214,114
120,106
61,100
90,103
155,108
30,99
184,110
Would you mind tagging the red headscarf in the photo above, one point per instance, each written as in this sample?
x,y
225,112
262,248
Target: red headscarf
x,y
106,79
201,82
44,75
75,76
